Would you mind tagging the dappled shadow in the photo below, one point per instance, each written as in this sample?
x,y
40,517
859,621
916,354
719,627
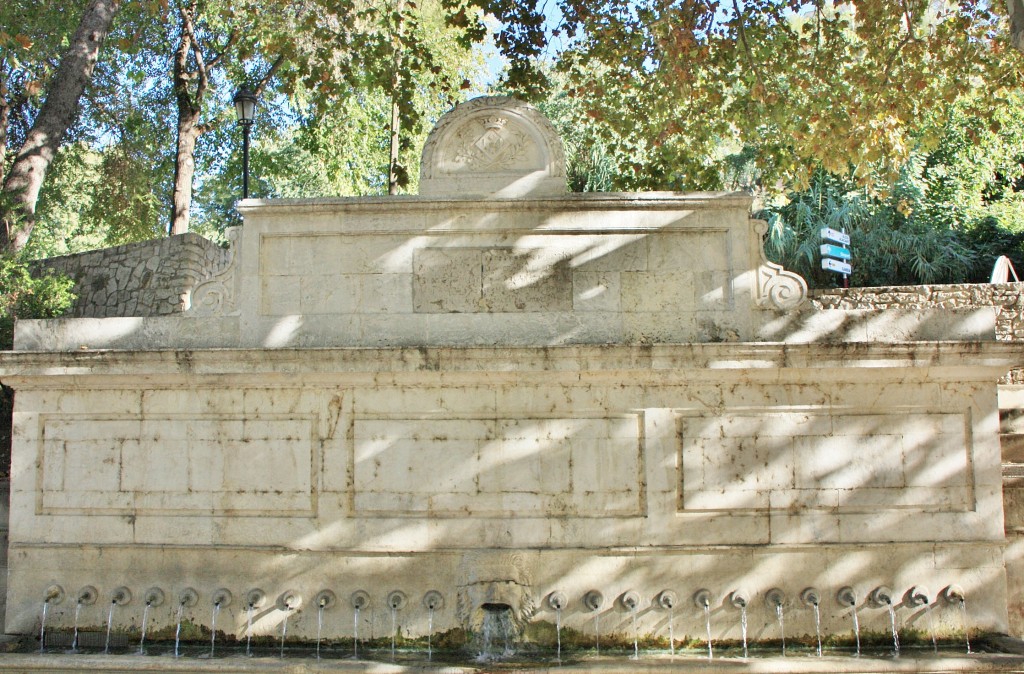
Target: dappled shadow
x,y
726,511
644,458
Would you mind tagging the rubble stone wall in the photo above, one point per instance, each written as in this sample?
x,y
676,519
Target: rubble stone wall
x,y
151,278
1007,298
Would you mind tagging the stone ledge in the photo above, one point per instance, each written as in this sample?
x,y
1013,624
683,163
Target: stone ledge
x,y
570,201
978,361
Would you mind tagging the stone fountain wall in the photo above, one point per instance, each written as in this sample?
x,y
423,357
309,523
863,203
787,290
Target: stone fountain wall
x,y
1008,301
573,468
498,391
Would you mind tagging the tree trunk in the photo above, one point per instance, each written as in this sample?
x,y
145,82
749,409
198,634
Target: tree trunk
x,y
54,118
1016,11
393,161
188,131
5,119
396,83
184,168
5,113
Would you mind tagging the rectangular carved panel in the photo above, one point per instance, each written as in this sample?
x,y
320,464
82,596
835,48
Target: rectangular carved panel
x,y
814,459
488,280
499,467
178,464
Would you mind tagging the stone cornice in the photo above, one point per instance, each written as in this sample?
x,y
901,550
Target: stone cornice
x,y
980,361
569,201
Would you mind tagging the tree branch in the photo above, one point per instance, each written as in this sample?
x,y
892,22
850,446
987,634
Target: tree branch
x,y
891,61
817,33
188,29
743,40
232,38
265,80
910,21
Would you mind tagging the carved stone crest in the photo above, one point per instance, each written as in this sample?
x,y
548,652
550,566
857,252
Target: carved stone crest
x,y
493,146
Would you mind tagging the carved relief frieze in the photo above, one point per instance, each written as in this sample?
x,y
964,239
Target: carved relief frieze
x,y
487,145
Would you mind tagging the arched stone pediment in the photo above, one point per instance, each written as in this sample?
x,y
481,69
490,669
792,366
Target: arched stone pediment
x,y
493,146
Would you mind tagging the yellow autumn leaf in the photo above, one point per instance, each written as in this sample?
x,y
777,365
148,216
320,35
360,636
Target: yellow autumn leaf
x,y
23,40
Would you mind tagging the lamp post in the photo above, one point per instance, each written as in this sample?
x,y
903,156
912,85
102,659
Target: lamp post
x,y
245,111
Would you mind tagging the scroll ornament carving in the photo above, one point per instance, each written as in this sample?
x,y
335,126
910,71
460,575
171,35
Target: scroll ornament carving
x,y
216,295
776,287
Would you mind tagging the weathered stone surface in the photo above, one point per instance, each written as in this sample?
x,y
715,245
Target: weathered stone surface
x,y
493,147
502,398
362,465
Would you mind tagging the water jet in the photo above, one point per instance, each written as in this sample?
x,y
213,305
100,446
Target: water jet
x,y
489,391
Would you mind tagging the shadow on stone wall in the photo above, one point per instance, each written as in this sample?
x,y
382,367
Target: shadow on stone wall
x,y
1006,298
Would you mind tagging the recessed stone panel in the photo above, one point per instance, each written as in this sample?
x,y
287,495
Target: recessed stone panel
x,y
498,467
447,280
513,283
178,464
489,280
814,459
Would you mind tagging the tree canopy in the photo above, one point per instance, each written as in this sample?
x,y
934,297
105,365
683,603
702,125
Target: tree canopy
x,y
901,113
827,84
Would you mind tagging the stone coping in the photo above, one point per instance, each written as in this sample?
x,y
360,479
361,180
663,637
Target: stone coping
x,y
567,201
640,552
967,360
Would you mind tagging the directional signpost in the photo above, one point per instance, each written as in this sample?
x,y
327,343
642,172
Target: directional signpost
x,y
838,252
830,234
836,256
843,268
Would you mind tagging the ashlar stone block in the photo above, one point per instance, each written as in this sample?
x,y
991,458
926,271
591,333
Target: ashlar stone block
x,y
447,280
512,284
596,291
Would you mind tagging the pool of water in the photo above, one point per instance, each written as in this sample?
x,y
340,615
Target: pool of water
x,y
332,657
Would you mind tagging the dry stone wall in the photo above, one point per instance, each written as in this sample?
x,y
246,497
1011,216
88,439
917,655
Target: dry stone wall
x,y
151,278
1007,298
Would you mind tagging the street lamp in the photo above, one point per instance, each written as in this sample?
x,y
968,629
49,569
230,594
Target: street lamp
x,y
245,111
